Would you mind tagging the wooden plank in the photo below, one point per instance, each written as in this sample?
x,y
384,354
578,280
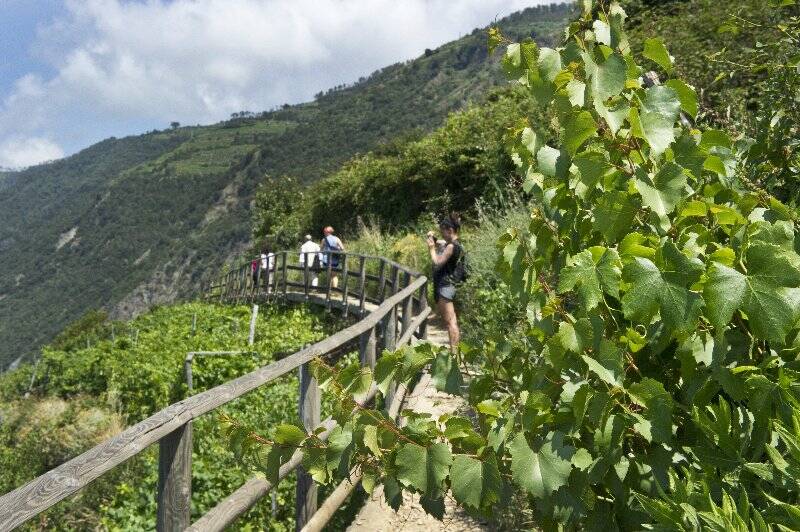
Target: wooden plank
x,y
330,269
29,500
310,405
422,334
382,281
345,276
417,322
362,285
285,276
306,274
229,509
273,273
367,348
175,480
407,304
253,319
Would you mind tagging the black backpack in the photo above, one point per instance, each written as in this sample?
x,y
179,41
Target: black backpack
x,y
461,270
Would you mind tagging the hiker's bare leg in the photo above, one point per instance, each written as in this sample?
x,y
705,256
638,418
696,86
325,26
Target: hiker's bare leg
x,y
335,280
447,312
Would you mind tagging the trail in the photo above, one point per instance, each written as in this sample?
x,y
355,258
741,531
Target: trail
x,y
376,515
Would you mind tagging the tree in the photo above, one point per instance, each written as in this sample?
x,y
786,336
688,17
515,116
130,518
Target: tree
x,y
174,125
275,201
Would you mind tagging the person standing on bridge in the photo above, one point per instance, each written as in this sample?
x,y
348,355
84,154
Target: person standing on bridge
x,y
310,259
267,267
448,271
330,245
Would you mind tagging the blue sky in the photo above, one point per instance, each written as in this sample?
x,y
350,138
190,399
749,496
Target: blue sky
x,y
19,20
77,71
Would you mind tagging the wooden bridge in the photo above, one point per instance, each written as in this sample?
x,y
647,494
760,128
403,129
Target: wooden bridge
x,y
390,304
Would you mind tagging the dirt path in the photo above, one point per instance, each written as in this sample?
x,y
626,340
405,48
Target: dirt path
x,y
376,515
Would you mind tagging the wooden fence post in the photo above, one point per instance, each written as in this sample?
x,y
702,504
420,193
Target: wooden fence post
x,y
310,406
367,347
362,286
175,480
408,304
329,255
253,317
285,274
345,276
306,273
423,304
390,340
382,282
273,268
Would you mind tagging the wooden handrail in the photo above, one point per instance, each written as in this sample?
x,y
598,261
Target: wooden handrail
x,y
165,426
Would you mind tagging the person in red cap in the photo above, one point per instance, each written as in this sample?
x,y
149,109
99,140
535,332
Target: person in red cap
x,y
330,245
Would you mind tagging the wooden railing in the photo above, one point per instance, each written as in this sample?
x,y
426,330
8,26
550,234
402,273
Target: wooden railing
x,y
391,304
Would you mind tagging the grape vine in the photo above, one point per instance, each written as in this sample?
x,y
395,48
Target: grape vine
x,y
657,382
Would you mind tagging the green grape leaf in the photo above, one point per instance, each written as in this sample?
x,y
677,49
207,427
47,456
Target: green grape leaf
x,y
385,370
592,166
655,50
276,457
289,435
445,373
614,113
576,92
355,379
424,468
656,119
371,440
686,94
607,79
368,481
614,213
767,294
433,506
549,63
663,191
689,155
651,394
393,493
593,271
475,483
602,32
606,363
667,292
543,472
552,162
578,129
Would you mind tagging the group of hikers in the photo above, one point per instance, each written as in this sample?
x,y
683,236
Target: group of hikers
x,y
447,255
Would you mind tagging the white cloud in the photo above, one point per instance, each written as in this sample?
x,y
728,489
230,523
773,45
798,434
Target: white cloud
x,y
17,152
122,66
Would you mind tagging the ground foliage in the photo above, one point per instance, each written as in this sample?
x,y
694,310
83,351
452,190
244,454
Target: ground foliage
x,y
656,382
100,376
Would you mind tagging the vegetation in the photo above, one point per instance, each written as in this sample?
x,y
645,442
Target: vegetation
x,y
654,379
156,215
80,396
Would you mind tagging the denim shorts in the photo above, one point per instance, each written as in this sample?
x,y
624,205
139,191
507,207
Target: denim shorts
x,y
447,292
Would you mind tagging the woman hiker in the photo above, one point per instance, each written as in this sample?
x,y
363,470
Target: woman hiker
x,y
448,272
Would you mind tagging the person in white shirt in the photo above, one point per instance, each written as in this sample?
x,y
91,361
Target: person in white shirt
x,y
309,254
267,267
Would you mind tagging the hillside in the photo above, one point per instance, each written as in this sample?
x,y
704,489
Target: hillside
x,y
131,222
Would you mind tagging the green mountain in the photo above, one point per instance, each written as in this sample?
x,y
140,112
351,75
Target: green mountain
x,y
132,222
